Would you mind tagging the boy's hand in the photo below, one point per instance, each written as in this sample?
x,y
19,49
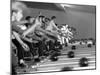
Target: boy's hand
x,y
25,46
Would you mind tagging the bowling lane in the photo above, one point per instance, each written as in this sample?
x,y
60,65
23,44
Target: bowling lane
x,y
59,67
78,47
63,58
64,61
56,68
77,55
80,50
76,58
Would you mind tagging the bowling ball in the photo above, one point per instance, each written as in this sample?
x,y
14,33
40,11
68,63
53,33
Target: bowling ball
x,y
46,54
24,70
28,59
73,47
66,69
22,65
37,60
71,54
53,58
89,45
94,42
57,54
80,43
83,62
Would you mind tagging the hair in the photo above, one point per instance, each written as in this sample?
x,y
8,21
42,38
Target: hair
x,y
28,17
53,17
56,24
13,11
47,19
41,16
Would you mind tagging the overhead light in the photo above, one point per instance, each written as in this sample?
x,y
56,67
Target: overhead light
x,y
65,5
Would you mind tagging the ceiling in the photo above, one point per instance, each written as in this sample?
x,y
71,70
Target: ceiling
x,y
58,7
41,5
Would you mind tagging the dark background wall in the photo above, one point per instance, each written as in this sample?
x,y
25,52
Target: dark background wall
x,y
83,21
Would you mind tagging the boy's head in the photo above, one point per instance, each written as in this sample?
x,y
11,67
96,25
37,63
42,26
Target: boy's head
x,y
47,19
28,18
53,17
42,18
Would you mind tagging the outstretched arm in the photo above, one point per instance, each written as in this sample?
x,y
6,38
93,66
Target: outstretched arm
x,y
55,25
32,28
45,31
17,36
19,22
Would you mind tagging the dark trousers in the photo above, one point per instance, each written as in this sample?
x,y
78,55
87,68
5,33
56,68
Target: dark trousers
x,y
42,48
32,47
21,53
51,45
20,50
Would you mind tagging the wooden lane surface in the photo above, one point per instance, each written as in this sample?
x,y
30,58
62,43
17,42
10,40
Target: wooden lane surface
x,y
64,61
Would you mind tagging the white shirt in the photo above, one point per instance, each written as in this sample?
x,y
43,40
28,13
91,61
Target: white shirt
x,y
51,26
17,16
